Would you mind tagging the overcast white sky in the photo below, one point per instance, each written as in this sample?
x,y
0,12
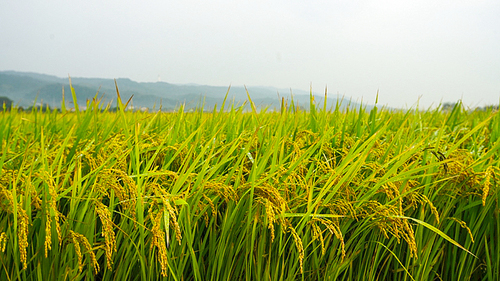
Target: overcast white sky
x,y
433,50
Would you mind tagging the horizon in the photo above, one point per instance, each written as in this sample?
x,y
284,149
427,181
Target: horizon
x,y
295,93
361,100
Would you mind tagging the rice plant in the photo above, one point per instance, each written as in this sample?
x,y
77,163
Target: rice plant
x,y
285,194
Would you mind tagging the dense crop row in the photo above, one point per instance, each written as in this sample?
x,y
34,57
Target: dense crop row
x,y
232,195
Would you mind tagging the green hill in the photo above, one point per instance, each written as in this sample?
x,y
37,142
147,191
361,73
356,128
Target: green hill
x,y
27,89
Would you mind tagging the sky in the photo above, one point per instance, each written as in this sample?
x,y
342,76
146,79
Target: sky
x,y
413,53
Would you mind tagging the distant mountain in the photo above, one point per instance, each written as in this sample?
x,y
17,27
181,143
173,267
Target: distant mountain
x,y
25,87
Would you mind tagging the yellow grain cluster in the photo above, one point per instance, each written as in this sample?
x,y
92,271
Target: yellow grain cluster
x,y
107,231
3,241
491,178
299,245
159,239
51,210
22,235
124,188
459,169
274,205
6,198
173,216
463,225
388,222
7,205
224,191
78,240
332,226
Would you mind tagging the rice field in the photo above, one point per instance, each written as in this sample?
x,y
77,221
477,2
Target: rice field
x,y
286,194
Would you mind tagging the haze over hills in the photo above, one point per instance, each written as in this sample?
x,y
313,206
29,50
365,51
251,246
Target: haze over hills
x,y
26,87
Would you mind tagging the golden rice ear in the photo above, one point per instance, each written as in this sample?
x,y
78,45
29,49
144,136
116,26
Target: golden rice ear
x,y
3,241
333,227
51,211
463,225
107,232
159,240
22,234
78,240
299,245
173,216
78,251
487,184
